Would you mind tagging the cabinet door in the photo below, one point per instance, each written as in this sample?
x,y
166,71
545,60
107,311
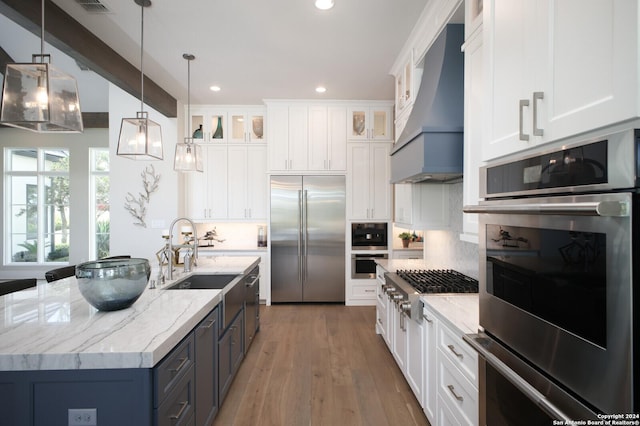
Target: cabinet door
x,y
318,138
510,31
430,365
298,137
473,125
238,183
358,120
399,339
402,204
225,373
206,376
337,144
238,125
256,121
431,206
257,188
380,124
216,184
380,189
592,77
415,357
278,129
358,180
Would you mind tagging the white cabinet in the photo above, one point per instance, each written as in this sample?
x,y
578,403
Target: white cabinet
x,y
368,174
430,390
246,125
422,206
206,193
327,138
382,312
288,137
208,124
415,357
369,122
247,182
473,130
556,69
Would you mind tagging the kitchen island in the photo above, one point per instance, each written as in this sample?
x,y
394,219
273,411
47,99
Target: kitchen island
x,y
57,352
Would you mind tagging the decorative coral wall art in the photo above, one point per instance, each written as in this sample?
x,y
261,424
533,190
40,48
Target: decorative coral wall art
x,y
137,206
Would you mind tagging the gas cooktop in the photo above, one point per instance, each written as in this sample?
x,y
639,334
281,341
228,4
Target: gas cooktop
x,y
438,281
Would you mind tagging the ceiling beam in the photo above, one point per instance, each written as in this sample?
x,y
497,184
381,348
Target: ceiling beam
x,y
5,59
69,36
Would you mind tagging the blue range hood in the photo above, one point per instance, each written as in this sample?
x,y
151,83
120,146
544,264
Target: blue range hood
x,y
431,145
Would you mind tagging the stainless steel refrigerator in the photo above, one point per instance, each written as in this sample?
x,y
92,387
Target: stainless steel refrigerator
x,y
307,239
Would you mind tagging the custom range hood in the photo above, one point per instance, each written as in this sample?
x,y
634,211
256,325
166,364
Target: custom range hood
x,y
431,144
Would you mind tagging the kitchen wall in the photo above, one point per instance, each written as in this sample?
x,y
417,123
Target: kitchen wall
x,y
162,209
444,249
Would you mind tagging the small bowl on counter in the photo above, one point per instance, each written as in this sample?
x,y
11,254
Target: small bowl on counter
x,y
113,284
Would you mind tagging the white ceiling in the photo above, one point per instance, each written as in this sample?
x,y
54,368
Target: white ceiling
x,y
260,49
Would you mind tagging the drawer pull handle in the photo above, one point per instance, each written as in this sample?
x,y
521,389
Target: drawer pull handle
x,y
453,349
209,324
453,392
183,407
183,362
427,319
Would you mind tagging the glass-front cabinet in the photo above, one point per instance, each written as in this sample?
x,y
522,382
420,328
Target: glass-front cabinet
x,y
208,125
369,123
247,125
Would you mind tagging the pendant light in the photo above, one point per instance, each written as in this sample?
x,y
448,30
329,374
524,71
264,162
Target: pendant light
x,y
39,97
188,156
140,138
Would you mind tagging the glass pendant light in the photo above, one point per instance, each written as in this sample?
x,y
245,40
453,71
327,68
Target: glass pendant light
x,y
140,138
188,156
39,97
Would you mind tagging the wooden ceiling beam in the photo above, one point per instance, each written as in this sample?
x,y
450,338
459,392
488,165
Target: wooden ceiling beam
x,y
69,36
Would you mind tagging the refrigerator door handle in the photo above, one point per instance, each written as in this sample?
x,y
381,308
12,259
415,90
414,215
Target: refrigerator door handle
x,y
300,224
305,236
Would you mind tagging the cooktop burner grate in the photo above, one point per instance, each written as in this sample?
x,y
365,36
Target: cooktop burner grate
x,y
439,281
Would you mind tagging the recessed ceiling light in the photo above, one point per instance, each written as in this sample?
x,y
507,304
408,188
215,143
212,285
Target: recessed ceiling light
x,y
324,4
321,89
215,88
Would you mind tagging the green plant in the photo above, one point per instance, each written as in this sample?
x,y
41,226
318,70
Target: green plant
x,y
405,236
59,254
102,239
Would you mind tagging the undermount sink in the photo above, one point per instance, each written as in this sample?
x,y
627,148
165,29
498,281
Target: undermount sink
x,y
200,282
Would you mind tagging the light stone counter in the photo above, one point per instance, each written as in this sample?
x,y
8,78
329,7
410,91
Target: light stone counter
x,y
52,327
460,311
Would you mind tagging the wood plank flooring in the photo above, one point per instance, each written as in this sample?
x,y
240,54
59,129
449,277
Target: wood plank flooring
x,y
319,365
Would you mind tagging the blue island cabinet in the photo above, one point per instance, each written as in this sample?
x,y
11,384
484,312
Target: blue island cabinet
x,y
180,390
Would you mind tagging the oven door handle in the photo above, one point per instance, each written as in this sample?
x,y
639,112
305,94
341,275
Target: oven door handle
x,y
601,208
517,381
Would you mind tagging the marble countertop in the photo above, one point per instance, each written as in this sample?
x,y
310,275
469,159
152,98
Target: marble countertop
x,y
52,327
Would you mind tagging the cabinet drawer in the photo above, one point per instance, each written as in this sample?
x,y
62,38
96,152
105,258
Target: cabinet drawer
x,y
363,291
460,396
178,408
172,368
459,353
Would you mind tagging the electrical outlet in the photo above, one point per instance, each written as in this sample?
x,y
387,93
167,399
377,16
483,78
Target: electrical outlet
x,y
83,417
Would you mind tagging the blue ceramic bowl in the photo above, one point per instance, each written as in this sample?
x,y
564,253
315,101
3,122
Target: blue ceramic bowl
x,y
113,284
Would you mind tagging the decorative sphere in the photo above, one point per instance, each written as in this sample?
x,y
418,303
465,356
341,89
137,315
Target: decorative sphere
x,y
113,284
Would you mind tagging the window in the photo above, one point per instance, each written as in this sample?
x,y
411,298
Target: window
x,y
99,202
37,190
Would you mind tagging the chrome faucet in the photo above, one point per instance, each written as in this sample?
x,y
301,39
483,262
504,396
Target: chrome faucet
x,y
195,246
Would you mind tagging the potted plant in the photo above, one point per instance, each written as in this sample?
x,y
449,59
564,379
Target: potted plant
x,y
406,238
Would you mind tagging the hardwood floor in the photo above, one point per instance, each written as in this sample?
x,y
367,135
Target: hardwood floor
x,y
319,365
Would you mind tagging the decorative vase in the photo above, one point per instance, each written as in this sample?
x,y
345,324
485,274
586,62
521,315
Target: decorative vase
x,y
218,132
198,133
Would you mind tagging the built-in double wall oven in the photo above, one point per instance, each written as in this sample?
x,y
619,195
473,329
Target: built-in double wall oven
x,y
372,239
557,300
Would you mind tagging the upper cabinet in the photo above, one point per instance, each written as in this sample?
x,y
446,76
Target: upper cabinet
x,y
213,124
556,69
368,188
288,139
369,122
327,138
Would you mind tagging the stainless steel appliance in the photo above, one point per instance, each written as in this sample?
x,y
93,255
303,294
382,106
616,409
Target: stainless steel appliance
x,y
405,287
363,266
251,306
307,239
369,236
557,305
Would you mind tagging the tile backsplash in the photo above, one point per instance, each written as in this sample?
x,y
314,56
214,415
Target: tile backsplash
x,y
445,249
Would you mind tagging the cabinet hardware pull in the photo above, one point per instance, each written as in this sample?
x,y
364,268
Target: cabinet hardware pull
x,y
379,320
453,392
369,291
536,97
427,319
453,349
523,103
183,362
183,406
209,325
